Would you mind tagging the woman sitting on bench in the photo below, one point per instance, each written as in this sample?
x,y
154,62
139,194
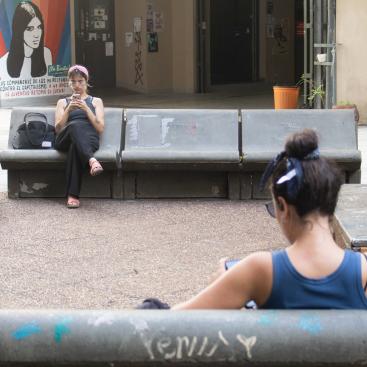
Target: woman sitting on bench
x,y
79,121
313,272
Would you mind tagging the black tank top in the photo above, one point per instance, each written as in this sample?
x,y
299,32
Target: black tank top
x,y
79,114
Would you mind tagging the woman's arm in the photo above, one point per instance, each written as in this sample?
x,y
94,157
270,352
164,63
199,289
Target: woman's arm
x,y
61,115
250,279
98,122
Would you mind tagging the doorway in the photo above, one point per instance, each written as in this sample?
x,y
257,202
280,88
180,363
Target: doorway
x,y
233,41
95,40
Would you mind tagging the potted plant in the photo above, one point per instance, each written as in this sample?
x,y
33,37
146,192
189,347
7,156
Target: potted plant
x,y
286,97
348,105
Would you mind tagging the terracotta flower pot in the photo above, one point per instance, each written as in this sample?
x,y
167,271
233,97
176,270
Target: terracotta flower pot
x,y
285,97
348,106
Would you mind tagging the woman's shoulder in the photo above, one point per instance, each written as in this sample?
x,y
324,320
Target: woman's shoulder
x,y
94,98
96,101
62,102
258,262
261,258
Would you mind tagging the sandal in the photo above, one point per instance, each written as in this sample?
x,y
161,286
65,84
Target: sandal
x,y
95,167
72,203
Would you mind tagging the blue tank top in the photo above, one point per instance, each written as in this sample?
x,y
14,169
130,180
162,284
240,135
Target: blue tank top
x,y
340,290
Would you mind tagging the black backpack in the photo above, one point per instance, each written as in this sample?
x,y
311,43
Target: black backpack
x,y
34,133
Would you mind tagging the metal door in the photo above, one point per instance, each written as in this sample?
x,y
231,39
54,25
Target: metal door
x,y
232,30
95,40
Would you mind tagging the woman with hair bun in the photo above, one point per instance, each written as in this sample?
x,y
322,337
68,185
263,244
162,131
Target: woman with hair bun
x,y
79,121
312,272
27,56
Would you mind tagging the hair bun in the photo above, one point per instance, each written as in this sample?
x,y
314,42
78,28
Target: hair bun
x,y
300,144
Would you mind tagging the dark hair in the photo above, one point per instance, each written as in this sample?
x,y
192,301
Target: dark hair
x,y
24,13
320,185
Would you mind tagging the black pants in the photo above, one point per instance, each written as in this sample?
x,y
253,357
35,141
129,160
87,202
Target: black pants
x,y
80,140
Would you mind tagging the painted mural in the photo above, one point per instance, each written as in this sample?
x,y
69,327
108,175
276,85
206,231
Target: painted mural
x,y
35,49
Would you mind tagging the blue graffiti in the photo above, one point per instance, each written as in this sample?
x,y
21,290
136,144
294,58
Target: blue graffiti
x,y
25,331
310,324
61,329
266,319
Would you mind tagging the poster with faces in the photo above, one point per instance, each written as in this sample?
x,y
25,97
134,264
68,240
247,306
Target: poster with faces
x,y
35,48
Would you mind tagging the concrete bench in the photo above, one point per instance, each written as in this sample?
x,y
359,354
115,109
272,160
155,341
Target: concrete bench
x,y
264,133
350,217
200,338
166,153
40,173
180,153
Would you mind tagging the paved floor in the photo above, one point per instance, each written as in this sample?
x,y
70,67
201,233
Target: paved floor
x,y
113,254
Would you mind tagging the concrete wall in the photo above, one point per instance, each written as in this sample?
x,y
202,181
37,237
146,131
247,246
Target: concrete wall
x,y
183,46
351,31
172,68
280,54
125,12
159,64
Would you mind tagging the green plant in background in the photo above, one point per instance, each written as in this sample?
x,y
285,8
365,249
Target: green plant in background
x,y
315,90
345,103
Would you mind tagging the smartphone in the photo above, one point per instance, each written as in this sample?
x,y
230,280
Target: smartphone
x,y
75,96
229,263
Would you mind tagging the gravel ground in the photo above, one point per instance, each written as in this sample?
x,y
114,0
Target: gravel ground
x,y
113,254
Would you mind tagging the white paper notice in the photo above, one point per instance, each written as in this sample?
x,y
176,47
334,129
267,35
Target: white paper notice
x,y
158,21
128,39
109,48
99,24
92,36
98,12
137,24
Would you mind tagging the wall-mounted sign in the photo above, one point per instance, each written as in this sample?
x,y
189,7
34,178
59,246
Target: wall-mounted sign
x,y
137,24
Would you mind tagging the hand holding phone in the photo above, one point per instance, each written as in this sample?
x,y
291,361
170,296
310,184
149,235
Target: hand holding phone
x,y
76,96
